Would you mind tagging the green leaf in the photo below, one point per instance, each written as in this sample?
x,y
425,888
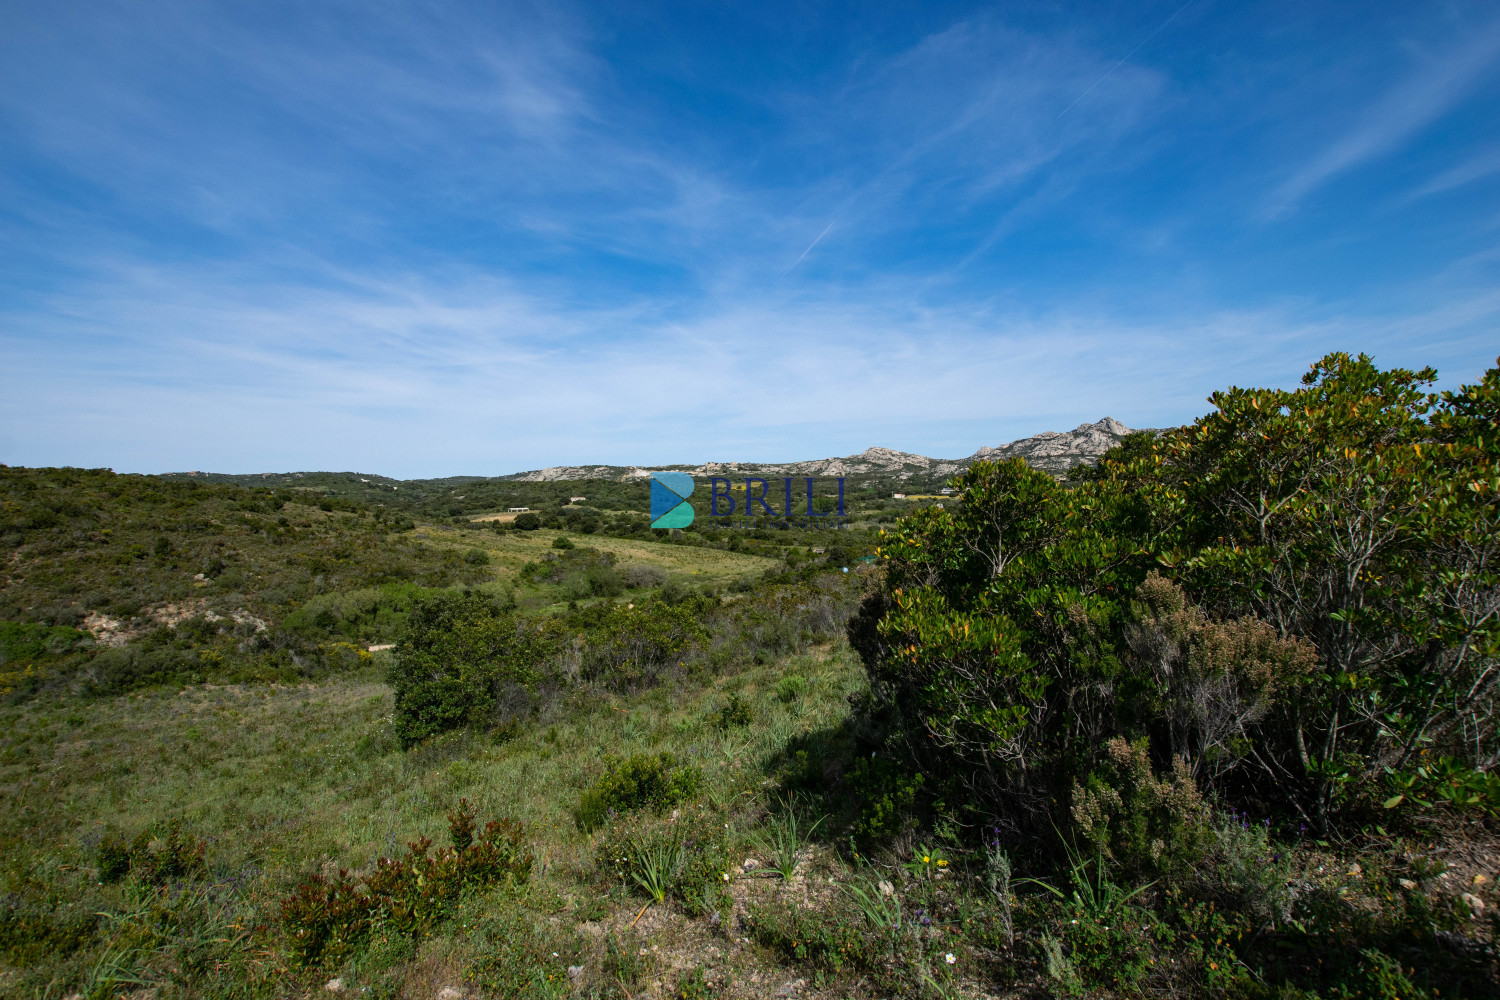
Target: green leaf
x,y
1393,801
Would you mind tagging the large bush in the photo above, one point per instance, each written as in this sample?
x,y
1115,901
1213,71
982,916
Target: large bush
x,y
465,660
1287,601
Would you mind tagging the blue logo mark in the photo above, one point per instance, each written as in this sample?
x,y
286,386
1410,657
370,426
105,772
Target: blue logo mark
x,y
669,499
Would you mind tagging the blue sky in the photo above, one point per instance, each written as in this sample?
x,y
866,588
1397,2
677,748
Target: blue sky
x,y
453,238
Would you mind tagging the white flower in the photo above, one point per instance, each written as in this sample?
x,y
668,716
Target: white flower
x,y
949,958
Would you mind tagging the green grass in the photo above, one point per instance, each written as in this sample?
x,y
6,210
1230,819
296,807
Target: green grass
x,y
511,550
282,780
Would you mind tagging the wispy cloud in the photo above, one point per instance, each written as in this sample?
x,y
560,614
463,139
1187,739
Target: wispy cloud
x,y
471,375
1436,86
1485,164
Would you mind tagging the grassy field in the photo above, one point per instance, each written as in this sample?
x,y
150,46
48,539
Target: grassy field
x,y
284,780
509,551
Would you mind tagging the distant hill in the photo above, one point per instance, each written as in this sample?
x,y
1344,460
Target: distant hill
x,y
1051,451
871,474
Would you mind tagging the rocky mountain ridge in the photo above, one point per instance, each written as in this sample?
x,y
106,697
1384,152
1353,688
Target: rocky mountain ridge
x,y
1051,451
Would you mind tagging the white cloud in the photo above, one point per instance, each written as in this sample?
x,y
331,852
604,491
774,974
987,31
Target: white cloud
x,y
1430,91
194,371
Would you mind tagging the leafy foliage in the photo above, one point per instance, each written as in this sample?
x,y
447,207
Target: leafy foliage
x,y
655,781
327,918
1338,540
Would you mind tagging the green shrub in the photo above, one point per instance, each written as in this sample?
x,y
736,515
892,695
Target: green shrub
x,y
735,713
562,542
885,797
1143,824
1016,634
628,647
688,858
156,856
22,641
366,615
654,781
477,557
791,687
462,661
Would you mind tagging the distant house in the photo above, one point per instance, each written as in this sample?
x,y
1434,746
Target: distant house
x,y
899,496
818,549
947,491
516,510
576,499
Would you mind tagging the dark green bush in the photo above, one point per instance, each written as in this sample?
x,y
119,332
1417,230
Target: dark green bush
x,y
655,781
156,856
465,660
628,647
22,641
734,713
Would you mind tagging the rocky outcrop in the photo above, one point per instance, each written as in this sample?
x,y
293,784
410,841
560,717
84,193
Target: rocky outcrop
x,y
1052,451
1058,451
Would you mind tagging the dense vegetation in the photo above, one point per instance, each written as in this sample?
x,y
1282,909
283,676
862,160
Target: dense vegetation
x,y
1286,610
1211,718
614,506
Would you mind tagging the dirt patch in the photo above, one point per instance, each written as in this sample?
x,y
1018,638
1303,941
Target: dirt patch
x,y
502,518
107,631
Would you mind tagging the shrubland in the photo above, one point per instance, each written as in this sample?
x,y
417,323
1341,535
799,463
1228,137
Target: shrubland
x,y
1211,718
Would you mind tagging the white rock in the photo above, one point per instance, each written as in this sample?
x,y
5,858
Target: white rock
x,y
574,971
450,993
334,986
1476,905
886,889
750,864
1407,883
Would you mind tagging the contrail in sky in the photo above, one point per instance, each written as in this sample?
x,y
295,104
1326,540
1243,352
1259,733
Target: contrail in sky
x,y
805,252
1132,52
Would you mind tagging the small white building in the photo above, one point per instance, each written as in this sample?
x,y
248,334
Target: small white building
x,y
516,510
576,499
899,496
